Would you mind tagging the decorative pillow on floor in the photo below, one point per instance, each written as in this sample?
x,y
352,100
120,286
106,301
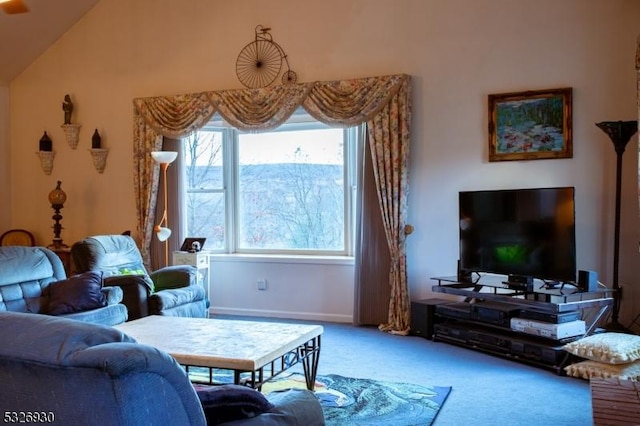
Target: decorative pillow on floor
x,y
79,293
610,348
226,403
593,369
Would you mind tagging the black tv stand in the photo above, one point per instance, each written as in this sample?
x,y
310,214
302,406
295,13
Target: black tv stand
x,y
492,333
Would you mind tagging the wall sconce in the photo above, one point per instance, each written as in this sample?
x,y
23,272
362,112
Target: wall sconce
x,y
46,153
98,153
72,134
164,158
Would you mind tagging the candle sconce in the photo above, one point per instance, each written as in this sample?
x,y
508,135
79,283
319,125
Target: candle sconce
x,y
99,158
98,153
45,153
46,160
72,134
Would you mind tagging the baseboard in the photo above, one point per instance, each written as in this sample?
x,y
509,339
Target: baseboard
x,y
306,316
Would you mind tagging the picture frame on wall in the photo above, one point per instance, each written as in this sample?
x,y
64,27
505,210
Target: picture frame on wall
x,y
531,125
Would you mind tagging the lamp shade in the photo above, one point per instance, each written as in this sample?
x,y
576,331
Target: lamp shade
x,y
164,157
162,233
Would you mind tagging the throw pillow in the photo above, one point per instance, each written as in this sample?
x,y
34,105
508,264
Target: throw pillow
x,y
136,269
593,369
226,403
611,348
78,293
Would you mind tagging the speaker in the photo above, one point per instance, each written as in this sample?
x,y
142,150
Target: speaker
x,y
464,276
423,317
587,280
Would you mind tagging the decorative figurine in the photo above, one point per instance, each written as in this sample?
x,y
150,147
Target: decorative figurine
x,y
67,107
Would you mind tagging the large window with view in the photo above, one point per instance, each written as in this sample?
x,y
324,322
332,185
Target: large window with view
x,y
286,191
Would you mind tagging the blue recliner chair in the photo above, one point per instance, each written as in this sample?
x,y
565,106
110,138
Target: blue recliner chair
x,y
172,290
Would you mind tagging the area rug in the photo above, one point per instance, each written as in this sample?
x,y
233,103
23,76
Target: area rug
x,y
348,401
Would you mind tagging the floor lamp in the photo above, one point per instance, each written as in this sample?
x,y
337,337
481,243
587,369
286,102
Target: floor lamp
x,y
620,132
162,230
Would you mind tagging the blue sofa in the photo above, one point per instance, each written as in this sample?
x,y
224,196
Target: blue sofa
x,y
77,373
33,280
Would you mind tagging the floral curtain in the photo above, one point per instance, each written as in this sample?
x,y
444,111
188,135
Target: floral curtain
x,y
381,102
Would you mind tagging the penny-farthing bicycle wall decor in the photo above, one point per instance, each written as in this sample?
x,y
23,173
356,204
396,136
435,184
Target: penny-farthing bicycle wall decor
x,y
260,62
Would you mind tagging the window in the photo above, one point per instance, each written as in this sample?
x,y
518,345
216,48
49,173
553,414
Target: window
x,y
286,191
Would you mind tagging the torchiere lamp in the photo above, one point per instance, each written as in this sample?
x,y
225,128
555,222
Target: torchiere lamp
x,y
162,230
620,132
57,197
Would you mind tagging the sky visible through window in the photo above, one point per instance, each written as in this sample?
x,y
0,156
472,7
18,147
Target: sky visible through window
x,y
288,147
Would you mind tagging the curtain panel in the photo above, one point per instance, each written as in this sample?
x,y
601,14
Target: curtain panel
x,y
384,103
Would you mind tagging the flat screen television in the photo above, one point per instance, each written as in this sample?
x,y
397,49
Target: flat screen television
x,y
519,232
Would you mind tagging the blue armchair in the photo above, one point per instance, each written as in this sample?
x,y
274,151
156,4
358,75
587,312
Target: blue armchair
x,y
73,373
172,290
33,280
86,374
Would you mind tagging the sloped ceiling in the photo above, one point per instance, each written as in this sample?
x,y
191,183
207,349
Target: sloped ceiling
x,y
26,36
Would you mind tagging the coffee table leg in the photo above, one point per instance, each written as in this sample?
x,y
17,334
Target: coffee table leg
x,y
311,356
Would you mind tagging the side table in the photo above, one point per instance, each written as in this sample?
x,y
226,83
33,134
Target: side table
x,y
198,259
615,401
64,253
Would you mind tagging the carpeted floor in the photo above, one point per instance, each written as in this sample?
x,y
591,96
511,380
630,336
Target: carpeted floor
x,y
486,390
350,401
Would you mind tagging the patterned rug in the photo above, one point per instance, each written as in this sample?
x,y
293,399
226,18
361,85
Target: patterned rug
x,y
349,401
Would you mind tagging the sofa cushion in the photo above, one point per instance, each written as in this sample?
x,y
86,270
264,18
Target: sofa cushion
x,y
226,403
79,293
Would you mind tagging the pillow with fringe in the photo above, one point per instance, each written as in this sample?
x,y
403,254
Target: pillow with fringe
x,y
593,369
610,348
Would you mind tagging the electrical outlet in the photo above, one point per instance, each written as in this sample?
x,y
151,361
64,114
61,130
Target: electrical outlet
x,y
262,284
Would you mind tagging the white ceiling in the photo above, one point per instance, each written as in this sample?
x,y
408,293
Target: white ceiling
x,y
26,36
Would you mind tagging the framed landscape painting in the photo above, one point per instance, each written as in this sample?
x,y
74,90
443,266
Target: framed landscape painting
x,y
530,125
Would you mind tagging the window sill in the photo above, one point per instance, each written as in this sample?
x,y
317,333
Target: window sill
x,y
276,258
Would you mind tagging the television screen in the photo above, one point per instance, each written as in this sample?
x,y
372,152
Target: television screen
x,y
524,232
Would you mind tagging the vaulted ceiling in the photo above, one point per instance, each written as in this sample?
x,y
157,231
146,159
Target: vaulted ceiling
x,y
25,36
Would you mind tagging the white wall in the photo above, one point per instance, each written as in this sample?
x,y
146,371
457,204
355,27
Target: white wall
x,y
457,51
305,288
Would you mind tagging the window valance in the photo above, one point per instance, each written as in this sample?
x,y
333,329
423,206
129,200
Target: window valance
x,y
338,103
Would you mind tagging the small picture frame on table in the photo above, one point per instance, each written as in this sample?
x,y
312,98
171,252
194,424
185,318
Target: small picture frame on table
x,y
193,244
531,125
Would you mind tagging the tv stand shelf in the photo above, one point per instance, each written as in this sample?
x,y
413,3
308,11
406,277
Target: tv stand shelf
x,y
499,339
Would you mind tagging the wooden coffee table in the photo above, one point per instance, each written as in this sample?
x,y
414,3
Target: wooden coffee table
x,y
263,349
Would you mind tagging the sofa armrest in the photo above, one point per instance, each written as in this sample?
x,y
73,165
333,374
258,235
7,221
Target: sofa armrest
x,y
291,407
167,299
113,295
176,276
